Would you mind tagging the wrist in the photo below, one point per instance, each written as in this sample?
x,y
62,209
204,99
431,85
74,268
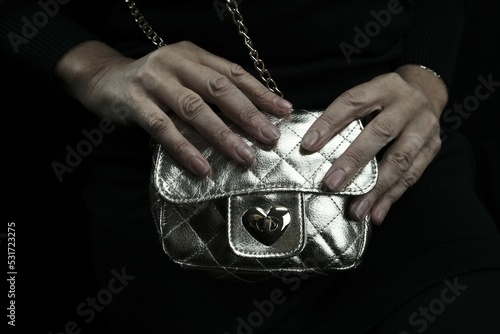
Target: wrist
x,y
78,69
428,82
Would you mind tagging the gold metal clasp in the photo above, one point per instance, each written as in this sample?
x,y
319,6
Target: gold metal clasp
x,y
266,227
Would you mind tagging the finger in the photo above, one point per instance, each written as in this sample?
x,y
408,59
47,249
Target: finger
x,y
191,108
355,103
162,129
256,92
396,164
383,204
377,134
168,93
218,89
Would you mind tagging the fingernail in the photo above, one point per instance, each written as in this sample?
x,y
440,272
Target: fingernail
x,y
335,181
199,166
379,216
361,210
245,153
309,140
282,103
270,132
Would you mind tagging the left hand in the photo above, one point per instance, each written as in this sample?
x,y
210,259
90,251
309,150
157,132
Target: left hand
x,y
404,107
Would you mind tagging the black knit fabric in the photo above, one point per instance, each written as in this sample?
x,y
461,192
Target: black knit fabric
x,y
310,46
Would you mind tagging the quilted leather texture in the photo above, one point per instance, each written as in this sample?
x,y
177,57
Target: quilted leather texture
x,y
282,168
200,221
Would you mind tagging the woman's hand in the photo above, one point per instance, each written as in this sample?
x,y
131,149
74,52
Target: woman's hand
x,y
180,78
404,108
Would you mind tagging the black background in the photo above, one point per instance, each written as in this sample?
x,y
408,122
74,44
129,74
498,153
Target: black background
x,y
53,257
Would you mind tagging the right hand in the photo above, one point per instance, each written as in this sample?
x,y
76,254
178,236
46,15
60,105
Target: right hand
x,y
180,78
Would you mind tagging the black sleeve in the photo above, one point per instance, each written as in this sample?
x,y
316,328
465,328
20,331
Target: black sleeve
x,y
435,35
35,34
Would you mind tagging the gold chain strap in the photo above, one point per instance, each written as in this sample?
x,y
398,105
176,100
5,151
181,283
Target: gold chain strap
x,y
232,6
144,25
265,76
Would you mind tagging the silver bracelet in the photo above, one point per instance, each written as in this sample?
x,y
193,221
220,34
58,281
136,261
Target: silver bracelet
x,y
437,75
431,70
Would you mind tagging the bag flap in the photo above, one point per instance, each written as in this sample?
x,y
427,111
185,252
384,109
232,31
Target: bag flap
x,y
284,167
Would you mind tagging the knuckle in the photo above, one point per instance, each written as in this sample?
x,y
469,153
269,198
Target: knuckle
x,y
433,146
186,45
182,63
181,54
418,95
394,77
377,191
409,179
382,129
352,98
327,121
415,97
219,86
191,106
391,197
147,77
261,93
400,161
156,124
237,72
437,143
222,137
180,147
434,124
250,116
354,157
254,89
434,142
152,59
414,143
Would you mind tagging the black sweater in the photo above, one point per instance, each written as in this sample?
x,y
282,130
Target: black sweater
x,y
314,49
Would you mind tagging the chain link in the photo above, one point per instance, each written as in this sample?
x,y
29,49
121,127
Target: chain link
x,y
264,74
144,25
232,6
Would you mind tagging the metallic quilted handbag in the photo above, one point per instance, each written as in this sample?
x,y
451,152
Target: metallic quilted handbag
x,y
270,219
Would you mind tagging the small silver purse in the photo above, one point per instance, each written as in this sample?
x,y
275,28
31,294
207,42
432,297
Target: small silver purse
x,y
270,219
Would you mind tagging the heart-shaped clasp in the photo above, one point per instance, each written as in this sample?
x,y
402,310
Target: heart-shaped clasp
x,y
266,227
